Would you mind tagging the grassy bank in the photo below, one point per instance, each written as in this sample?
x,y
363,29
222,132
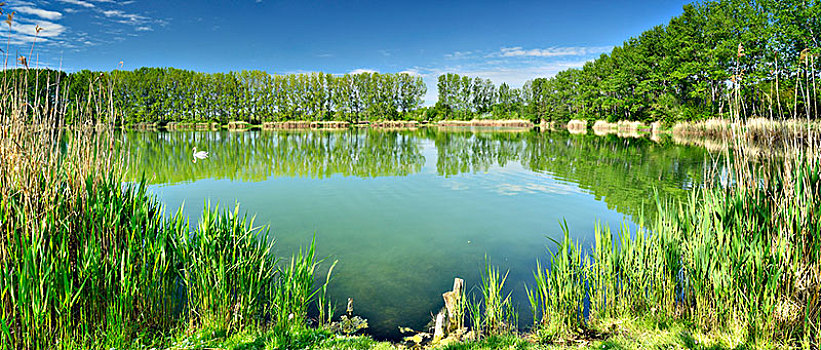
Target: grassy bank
x,y
91,262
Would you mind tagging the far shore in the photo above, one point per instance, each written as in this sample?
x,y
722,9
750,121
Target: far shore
x,y
383,124
756,128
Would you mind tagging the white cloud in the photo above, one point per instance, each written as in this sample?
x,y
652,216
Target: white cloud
x,y
126,18
518,51
25,30
516,77
413,72
19,39
515,74
458,55
79,3
55,37
363,70
50,15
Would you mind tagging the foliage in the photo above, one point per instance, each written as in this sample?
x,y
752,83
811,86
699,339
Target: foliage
x,y
90,261
163,95
741,257
765,50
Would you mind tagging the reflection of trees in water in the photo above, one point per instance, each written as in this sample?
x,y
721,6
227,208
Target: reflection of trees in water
x,y
165,157
624,173
466,151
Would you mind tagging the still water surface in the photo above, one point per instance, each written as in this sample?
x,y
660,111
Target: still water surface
x,y
404,212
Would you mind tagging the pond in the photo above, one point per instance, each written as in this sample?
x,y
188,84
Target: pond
x,y
406,211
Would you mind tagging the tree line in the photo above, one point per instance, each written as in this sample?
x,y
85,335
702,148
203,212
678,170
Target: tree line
x,y
170,94
175,95
741,57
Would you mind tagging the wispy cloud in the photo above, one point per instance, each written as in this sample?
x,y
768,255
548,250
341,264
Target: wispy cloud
x,y
57,34
24,31
81,3
124,17
141,23
458,55
42,13
518,51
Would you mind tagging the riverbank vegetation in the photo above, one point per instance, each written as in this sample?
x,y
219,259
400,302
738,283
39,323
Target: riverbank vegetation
x,y
90,262
166,95
762,55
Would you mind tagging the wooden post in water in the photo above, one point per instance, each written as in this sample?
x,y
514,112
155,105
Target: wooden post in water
x,y
439,329
453,308
453,300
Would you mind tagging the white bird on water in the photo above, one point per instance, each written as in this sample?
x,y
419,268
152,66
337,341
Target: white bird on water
x,y
199,155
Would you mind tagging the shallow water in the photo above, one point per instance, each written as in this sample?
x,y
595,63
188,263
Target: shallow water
x,y
405,212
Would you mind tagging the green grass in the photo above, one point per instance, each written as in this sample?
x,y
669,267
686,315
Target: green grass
x,y
91,262
256,338
743,258
622,333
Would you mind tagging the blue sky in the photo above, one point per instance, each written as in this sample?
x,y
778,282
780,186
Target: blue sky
x,y
506,41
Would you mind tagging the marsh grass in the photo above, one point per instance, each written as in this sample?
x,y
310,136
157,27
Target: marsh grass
x,y
742,256
117,270
90,261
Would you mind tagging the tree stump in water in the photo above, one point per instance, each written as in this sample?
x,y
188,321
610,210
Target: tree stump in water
x,y
453,302
439,329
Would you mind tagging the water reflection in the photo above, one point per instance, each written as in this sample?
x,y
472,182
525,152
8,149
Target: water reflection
x,y
623,172
164,157
406,211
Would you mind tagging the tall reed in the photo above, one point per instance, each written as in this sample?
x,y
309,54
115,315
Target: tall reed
x,y
93,262
229,269
741,257
493,312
